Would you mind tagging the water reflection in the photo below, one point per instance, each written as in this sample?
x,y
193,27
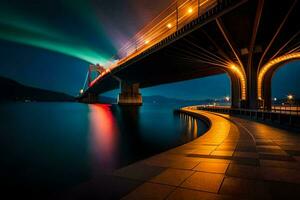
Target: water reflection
x,y
190,126
50,147
122,135
103,137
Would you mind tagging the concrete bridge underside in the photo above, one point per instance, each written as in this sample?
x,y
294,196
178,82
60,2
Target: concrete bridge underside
x,y
239,37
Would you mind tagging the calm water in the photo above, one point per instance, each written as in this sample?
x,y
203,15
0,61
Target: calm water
x,y
49,147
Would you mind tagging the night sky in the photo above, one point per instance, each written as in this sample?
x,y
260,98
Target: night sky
x,y
50,44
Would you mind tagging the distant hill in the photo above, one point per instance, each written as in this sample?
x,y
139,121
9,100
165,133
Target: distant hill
x,y
13,91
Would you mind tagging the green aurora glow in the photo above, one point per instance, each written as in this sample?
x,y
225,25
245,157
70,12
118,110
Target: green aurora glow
x,y
18,30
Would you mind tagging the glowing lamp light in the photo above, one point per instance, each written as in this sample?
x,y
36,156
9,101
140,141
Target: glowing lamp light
x,y
242,78
169,25
233,67
270,65
227,98
290,97
81,91
190,10
147,42
275,99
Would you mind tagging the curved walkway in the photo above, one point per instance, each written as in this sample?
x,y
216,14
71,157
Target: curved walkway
x,y
235,159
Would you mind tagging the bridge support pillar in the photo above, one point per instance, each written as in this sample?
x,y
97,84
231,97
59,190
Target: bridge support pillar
x,y
253,102
130,94
266,101
235,91
251,68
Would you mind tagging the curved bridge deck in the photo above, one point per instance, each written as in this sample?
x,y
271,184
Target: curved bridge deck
x,y
235,159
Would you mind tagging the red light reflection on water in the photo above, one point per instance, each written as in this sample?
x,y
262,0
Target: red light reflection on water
x,y
103,136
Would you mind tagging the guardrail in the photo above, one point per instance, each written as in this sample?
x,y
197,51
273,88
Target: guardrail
x,y
171,21
280,114
289,109
173,18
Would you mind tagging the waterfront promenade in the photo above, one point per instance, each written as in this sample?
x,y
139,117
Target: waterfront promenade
x,y
234,159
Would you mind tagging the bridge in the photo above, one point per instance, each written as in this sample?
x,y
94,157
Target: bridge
x,y
246,39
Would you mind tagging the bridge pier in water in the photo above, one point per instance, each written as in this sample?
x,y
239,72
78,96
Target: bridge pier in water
x,y
130,94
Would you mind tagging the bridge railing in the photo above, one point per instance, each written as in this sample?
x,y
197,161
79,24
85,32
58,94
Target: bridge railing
x,y
280,109
283,114
176,16
166,23
288,109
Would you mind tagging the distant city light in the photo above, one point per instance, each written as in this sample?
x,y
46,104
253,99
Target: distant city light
x,y
227,98
290,97
275,99
81,91
190,10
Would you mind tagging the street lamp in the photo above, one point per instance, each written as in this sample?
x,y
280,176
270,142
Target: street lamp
x,y
290,97
227,98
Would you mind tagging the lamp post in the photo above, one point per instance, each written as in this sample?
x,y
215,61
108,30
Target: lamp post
x,y
290,98
81,91
227,100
